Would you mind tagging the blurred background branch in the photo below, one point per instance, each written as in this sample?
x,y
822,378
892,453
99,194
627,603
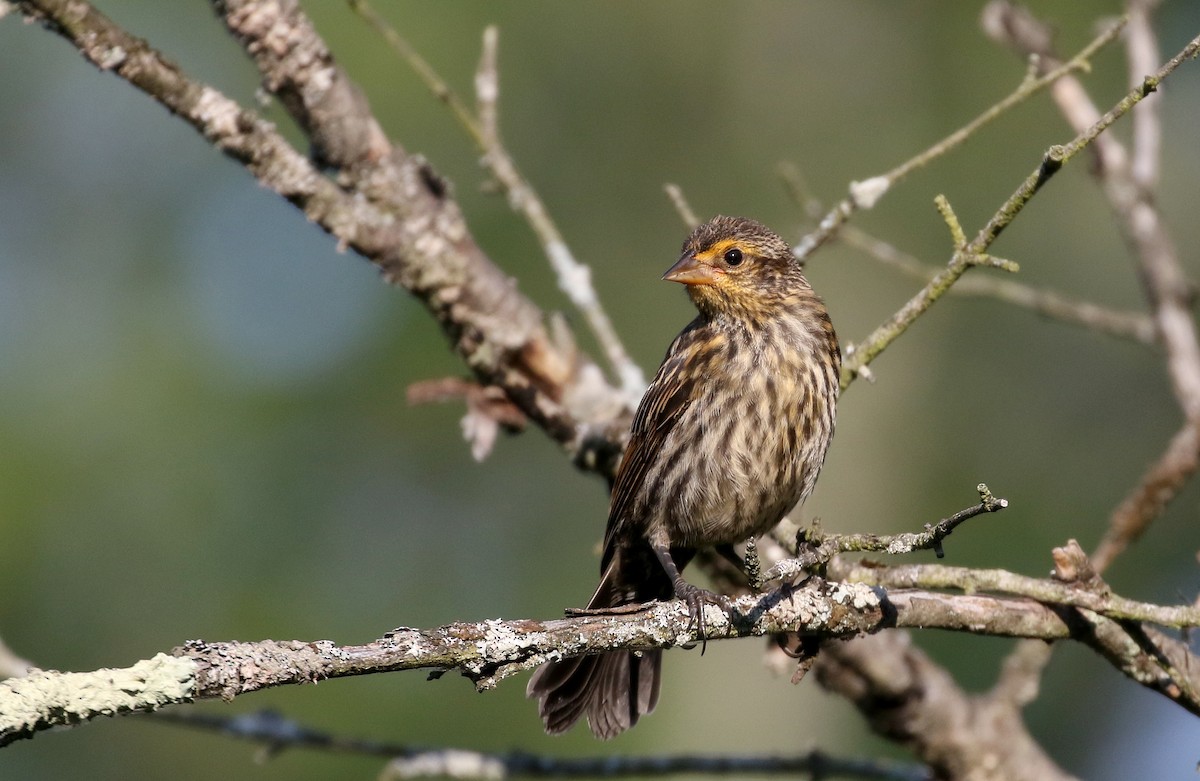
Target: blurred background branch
x,y
277,734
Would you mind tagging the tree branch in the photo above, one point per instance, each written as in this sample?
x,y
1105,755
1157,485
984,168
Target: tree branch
x,y
387,205
1129,188
490,651
865,194
1052,161
910,699
814,549
394,209
1134,326
574,278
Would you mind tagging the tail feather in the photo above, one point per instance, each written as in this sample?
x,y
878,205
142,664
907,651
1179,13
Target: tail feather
x,y
560,688
614,689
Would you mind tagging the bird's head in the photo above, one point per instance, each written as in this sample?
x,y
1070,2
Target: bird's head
x,y
738,268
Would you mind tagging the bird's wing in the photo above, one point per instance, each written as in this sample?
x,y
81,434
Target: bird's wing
x,y
671,391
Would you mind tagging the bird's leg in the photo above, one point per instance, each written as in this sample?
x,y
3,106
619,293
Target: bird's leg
x,y
694,596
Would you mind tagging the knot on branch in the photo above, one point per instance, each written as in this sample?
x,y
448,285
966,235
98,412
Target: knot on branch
x,y
1072,565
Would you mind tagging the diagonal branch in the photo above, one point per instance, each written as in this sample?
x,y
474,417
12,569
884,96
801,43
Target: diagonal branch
x,y
1128,182
864,194
388,206
1047,303
574,278
1052,161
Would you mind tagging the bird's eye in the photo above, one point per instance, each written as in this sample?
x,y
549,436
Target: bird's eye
x,y
734,257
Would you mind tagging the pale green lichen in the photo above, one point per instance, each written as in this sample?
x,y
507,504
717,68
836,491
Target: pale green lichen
x,y
49,698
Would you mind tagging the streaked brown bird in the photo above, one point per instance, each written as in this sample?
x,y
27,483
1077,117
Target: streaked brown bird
x,y
730,435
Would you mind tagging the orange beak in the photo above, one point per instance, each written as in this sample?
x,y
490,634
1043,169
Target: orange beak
x,y
689,271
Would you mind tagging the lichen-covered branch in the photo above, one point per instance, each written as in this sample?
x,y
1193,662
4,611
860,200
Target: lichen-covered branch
x,y
485,652
490,651
574,278
994,581
387,205
813,549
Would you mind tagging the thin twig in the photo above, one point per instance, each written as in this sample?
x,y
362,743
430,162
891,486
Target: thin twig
x,y
1134,326
930,539
482,125
574,278
679,201
433,82
815,548
1141,45
1129,186
1127,181
1124,325
864,195
277,733
1054,159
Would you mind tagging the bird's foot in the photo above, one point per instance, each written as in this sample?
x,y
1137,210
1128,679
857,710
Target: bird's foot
x,y
696,598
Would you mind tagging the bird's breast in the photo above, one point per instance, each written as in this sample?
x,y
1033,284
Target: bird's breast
x,y
754,442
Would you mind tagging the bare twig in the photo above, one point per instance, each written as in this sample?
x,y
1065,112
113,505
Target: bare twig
x,y
1129,188
277,734
864,195
930,539
679,201
1127,181
488,409
815,548
574,278
1053,160
1125,325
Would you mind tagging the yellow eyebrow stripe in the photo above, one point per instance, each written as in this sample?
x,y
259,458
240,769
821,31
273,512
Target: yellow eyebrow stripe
x,y
718,249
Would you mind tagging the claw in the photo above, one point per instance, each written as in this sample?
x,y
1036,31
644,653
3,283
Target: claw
x,y
696,598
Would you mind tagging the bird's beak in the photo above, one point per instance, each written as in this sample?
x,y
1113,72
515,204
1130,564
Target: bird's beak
x,y
689,271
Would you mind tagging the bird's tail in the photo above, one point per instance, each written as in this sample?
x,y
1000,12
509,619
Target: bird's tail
x,y
614,689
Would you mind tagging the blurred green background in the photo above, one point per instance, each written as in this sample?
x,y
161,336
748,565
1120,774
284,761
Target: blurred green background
x,y
203,430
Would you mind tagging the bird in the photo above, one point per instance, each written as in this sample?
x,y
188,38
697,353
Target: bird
x,y
729,436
